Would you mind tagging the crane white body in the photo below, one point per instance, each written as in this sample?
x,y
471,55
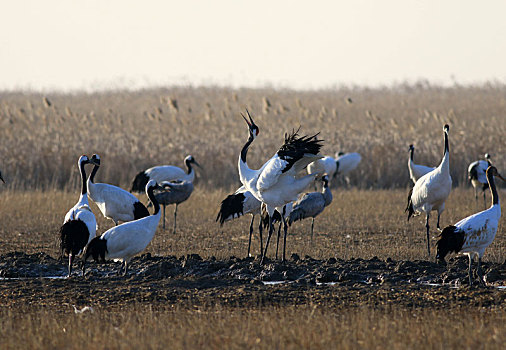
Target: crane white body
x,y
432,189
326,165
165,173
416,171
81,210
477,175
114,202
472,235
347,162
275,183
124,241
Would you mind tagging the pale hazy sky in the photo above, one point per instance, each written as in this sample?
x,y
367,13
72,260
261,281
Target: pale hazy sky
x,y
91,44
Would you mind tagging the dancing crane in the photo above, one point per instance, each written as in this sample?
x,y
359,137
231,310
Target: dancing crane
x,y
275,183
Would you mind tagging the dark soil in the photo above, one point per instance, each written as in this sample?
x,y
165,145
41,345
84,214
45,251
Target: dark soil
x,y
38,280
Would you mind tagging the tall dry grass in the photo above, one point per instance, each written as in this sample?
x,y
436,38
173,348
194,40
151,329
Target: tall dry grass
x,y
216,327
42,136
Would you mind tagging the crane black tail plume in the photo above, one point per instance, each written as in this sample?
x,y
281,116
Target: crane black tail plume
x,y
409,207
139,183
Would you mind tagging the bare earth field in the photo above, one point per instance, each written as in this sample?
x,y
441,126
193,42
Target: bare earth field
x,y
364,282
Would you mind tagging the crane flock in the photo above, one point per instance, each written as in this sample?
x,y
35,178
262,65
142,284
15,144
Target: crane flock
x,y
275,190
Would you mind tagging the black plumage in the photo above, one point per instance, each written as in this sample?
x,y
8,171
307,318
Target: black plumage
x,y
409,207
139,183
96,248
231,206
140,211
74,236
296,147
452,239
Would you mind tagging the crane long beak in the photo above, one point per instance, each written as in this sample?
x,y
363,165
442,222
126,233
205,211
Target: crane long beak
x,y
246,120
499,176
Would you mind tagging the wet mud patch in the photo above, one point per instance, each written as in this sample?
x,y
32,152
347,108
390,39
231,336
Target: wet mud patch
x,y
40,279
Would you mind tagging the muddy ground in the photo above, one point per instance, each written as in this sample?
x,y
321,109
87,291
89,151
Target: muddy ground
x,y
39,280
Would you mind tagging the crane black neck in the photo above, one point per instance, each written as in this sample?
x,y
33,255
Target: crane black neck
x,y
244,150
493,190
447,146
411,152
93,173
84,188
153,200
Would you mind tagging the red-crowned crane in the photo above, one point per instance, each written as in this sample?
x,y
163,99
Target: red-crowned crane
x,y
477,175
432,189
124,241
115,203
472,235
275,183
79,226
165,173
416,171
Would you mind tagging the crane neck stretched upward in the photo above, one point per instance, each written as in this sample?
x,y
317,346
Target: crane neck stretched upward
x,y
153,200
445,162
493,190
244,150
84,187
411,152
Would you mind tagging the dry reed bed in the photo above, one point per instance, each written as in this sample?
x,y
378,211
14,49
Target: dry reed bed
x,y
291,327
359,224
42,136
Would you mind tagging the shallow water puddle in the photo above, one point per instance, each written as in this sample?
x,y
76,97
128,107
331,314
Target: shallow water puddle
x,y
31,278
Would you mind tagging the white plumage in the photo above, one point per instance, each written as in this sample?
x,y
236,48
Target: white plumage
x,y
347,162
81,210
165,173
432,189
124,241
275,183
477,175
326,165
472,235
79,226
416,171
115,203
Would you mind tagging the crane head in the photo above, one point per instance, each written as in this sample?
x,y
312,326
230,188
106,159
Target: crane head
x,y
253,128
325,180
191,160
95,159
492,170
83,159
446,128
411,147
